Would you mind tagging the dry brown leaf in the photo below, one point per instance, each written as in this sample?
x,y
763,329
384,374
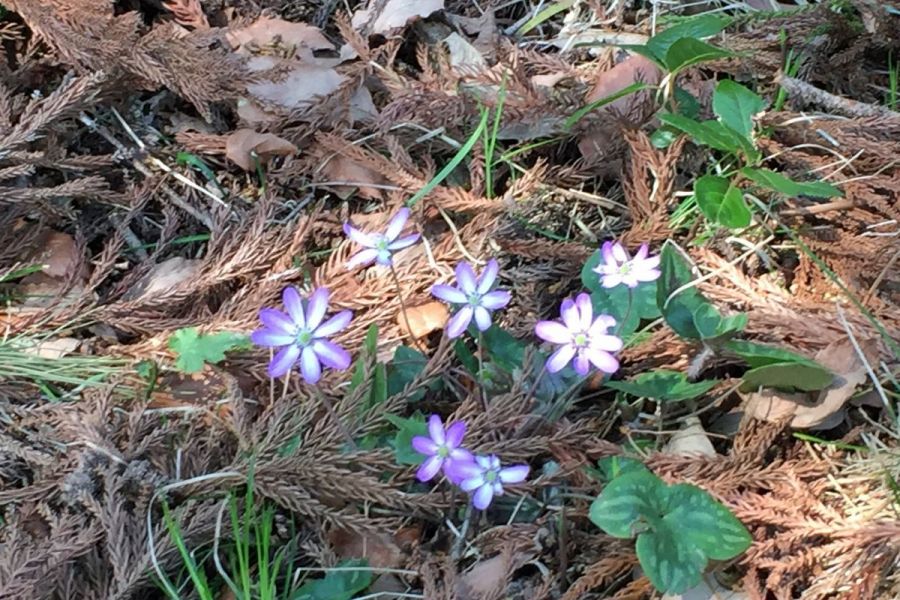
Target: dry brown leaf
x,y
690,440
243,143
350,177
57,253
463,55
392,14
379,550
53,348
304,39
164,277
486,578
823,409
303,84
424,319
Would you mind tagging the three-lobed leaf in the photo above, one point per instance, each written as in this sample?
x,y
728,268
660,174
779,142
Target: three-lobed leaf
x,y
784,185
705,523
721,202
663,385
671,564
625,501
735,105
194,349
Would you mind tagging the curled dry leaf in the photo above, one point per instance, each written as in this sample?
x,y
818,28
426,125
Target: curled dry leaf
x,y
53,348
423,319
690,440
823,409
244,143
381,17
164,277
350,176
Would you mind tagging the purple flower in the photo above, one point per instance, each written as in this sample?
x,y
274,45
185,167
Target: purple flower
x,y
581,337
618,268
379,247
475,296
441,447
301,334
485,477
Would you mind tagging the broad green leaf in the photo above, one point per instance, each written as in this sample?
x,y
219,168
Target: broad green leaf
x,y
371,342
407,429
688,105
465,356
194,350
663,385
670,562
505,350
611,467
696,517
713,134
721,202
699,27
407,364
663,137
735,106
344,583
784,185
379,393
624,501
678,311
787,376
689,51
758,355
711,324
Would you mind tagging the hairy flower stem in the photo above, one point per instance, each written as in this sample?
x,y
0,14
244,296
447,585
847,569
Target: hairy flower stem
x,y
402,304
329,408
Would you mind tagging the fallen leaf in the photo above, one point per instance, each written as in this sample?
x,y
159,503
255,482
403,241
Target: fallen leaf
x,y
379,550
392,14
352,177
823,409
40,291
690,440
302,85
423,319
164,277
53,348
464,56
304,39
204,390
548,80
486,578
57,253
243,143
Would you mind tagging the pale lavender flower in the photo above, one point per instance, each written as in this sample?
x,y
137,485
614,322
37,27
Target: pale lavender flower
x,y
301,334
380,247
581,337
442,447
485,477
618,268
475,296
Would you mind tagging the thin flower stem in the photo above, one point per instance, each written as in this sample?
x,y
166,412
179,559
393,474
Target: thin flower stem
x,y
627,313
402,304
329,408
456,552
484,401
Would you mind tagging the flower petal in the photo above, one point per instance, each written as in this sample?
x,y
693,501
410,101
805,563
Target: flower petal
x,y
465,278
553,332
514,474
424,445
618,252
611,280
294,306
455,434
430,468
470,483
570,316
462,467
331,355
284,360
647,274
604,361
482,498
607,254
448,293
482,318
496,299
395,226
277,321
488,276
384,258
366,240
333,325
268,338
585,310
650,262
582,365
310,367
600,325
405,241
642,253
436,430
362,259
315,309
458,322
560,358
607,343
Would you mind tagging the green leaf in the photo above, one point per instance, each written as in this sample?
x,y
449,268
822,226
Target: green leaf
x,y
671,564
689,51
758,355
688,105
370,344
711,324
787,376
379,394
721,202
615,301
465,356
407,429
611,467
194,350
337,584
505,350
700,27
624,501
713,134
784,185
735,106
678,311
663,385
406,366
696,517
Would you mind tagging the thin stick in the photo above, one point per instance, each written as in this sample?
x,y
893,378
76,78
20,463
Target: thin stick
x,y
400,299
461,538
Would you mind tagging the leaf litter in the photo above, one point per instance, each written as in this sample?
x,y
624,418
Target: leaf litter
x,y
165,172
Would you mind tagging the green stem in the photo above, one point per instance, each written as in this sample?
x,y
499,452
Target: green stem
x,y
627,313
484,401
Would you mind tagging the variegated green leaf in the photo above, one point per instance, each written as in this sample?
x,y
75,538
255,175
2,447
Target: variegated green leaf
x,y
697,518
624,501
671,563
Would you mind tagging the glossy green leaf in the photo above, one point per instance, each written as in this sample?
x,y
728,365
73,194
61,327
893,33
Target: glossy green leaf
x,y
787,376
628,306
709,133
689,51
611,467
758,355
711,324
784,185
670,562
688,105
699,27
663,385
624,501
721,202
193,349
407,429
343,583
704,523
678,310
505,350
735,105
405,367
